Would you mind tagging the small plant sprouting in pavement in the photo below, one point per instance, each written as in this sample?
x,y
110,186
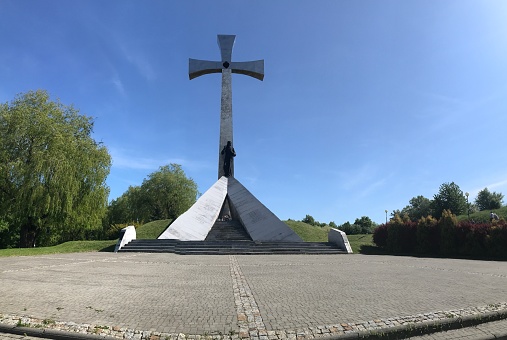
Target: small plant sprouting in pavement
x,y
22,324
101,327
48,322
95,309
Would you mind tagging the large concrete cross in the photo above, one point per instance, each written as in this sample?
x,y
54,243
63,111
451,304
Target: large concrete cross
x,y
226,66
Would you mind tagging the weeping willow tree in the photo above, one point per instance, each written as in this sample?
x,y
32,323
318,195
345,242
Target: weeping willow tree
x,y
52,172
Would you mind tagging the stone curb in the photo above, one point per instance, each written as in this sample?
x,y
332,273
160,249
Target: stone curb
x,y
50,333
384,333
405,331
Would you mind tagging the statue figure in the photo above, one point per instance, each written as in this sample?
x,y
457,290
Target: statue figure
x,y
229,153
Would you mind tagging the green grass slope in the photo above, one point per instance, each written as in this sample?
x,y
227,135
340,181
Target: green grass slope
x,y
483,216
67,247
307,232
360,242
310,233
152,230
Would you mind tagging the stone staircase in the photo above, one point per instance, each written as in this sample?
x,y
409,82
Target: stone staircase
x,y
228,231
228,237
230,247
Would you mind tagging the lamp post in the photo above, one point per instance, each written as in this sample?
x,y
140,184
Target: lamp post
x,y
386,215
468,206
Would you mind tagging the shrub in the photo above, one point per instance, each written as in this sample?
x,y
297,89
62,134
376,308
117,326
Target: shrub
x,y
471,238
448,240
496,241
446,237
401,235
113,232
428,235
380,236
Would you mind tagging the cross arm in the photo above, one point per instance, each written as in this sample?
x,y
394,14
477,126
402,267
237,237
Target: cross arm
x,y
197,68
250,68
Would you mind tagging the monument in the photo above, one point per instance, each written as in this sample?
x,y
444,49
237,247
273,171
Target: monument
x,y
228,201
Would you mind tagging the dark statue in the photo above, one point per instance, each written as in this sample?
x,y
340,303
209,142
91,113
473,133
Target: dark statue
x,y
229,153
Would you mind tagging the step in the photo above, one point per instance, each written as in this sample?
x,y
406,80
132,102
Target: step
x,y
230,247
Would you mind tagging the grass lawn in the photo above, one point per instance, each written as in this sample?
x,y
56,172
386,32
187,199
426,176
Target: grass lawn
x,y
483,216
67,247
152,230
360,242
307,232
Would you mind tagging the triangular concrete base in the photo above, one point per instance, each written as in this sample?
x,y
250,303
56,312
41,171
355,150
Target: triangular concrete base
x,y
260,223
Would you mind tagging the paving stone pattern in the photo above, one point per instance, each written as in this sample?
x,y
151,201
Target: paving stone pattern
x,y
158,296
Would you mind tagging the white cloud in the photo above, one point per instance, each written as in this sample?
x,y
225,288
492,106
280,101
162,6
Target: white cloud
x,y
497,184
118,85
124,160
141,62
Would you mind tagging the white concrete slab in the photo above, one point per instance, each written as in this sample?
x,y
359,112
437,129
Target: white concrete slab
x,y
259,221
196,222
127,234
339,238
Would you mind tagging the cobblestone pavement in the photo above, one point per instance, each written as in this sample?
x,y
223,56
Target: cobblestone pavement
x,y
154,296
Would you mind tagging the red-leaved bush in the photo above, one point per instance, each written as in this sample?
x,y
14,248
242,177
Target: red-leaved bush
x,y
446,237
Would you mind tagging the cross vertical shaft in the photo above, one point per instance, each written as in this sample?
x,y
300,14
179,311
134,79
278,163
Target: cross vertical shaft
x,y
226,134
226,67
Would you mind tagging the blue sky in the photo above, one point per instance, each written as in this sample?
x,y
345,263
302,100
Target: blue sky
x,y
364,104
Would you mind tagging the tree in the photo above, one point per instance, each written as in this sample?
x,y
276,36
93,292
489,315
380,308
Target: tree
x,y
52,172
449,197
332,224
309,220
165,194
125,209
350,229
365,225
418,207
487,200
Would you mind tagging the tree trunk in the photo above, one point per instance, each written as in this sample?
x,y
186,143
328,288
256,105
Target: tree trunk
x,y
27,236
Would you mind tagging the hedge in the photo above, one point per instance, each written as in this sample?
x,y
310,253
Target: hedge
x,y
443,237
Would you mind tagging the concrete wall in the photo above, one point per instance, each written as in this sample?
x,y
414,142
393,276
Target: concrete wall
x,y
260,223
339,238
126,235
196,222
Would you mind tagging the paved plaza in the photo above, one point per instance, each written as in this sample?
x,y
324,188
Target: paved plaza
x,y
265,297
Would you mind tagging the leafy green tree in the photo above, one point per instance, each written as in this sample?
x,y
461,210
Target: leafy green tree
x,y
332,224
418,207
449,197
7,239
365,225
487,200
395,213
309,220
165,194
125,208
52,172
350,229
